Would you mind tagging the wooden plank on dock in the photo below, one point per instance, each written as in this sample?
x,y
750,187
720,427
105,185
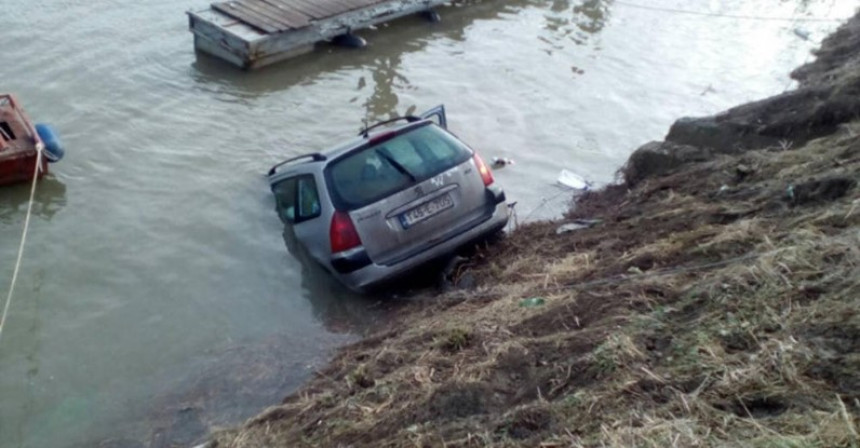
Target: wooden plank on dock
x,y
272,15
363,3
303,10
350,5
298,18
316,10
254,33
234,9
292,18
358,4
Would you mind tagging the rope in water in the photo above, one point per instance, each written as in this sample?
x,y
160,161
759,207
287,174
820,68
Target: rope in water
x,y
730,16
39,149
546,200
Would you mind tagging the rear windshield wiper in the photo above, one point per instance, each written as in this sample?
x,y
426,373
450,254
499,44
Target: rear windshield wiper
x,y
384,154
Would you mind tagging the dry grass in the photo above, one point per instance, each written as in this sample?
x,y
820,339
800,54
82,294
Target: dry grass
x,y
649,333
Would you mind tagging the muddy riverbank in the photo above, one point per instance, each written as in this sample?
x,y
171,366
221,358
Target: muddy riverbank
x,y
714,304
155,277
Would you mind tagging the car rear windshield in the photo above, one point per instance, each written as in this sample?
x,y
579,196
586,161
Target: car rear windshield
x,y
377,171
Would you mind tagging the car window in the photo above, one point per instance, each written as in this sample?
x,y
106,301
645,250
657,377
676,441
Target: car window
x,y
403,151
308,198
285,199
438,147
297,199
377,171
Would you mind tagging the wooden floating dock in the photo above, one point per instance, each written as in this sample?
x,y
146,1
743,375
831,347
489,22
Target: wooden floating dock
x,y
256,33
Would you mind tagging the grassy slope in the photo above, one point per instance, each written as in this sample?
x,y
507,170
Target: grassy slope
x,y
717,305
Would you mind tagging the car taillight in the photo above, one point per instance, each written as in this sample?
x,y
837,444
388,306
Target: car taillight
x,y
342,233
486,175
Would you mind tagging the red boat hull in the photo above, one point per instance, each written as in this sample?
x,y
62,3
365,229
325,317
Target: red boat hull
x,y
18,140
20,168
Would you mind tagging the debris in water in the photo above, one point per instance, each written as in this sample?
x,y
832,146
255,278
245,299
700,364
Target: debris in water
x,y
572,180
501,162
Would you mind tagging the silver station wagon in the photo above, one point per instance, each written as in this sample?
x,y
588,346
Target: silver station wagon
x,y
396,198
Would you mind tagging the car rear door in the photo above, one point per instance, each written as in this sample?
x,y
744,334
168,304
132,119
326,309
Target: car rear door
x,y
430,191
437,114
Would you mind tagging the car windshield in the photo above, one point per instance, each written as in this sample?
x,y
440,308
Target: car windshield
x,y
380,170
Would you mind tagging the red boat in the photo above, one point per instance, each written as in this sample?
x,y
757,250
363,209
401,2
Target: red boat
x,y
18,140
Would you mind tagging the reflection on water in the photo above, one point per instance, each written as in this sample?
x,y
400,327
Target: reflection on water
x,y
383,58
49,199
575,23
592,15
338,308
223,386
383,101
155,266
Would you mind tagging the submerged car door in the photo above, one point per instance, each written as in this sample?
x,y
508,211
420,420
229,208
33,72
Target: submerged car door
x,y
298,206
416,190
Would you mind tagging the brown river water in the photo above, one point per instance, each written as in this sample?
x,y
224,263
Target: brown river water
x,y
157,297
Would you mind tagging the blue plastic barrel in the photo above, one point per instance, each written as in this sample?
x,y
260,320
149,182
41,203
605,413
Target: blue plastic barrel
x,y
53,148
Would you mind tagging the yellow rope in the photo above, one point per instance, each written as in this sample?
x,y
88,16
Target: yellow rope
x,y
39,149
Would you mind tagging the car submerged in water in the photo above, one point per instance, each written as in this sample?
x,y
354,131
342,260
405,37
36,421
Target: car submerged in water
x,y
395,199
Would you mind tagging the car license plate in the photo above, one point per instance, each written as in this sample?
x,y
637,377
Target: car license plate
x,y
426,210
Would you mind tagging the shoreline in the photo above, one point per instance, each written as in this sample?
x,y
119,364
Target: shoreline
x,y
715,303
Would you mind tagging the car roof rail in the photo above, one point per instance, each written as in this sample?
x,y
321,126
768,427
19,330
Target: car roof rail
x,y
317,157
410,118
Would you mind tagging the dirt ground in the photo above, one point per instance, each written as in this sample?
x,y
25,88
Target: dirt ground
x,y
713,303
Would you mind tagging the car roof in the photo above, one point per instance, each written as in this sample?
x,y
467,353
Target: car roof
x,y
334,152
